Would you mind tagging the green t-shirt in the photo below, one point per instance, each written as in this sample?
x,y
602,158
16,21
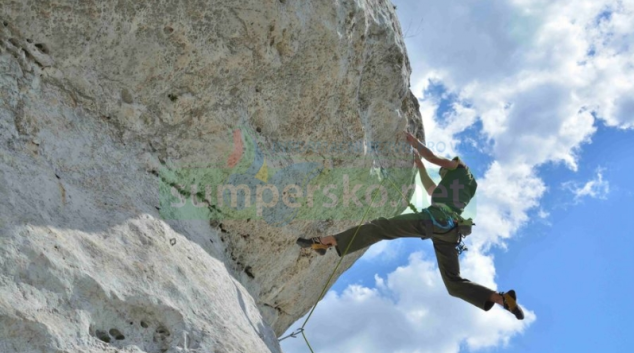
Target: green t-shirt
x,y
456,189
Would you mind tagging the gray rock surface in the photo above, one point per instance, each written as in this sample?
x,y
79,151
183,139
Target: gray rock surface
x,y
105,104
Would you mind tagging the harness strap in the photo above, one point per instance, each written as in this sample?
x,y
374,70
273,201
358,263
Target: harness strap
x,y
462,226
450,222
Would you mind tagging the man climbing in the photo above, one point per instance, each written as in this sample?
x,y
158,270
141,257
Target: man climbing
x,y
441,222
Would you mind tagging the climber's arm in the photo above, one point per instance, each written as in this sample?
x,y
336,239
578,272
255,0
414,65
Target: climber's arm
x,y
428,184
428,154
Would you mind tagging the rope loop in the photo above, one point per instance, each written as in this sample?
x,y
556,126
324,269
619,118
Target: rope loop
x,y
294,334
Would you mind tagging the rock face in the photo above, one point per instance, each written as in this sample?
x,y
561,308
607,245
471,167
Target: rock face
x,y
115,114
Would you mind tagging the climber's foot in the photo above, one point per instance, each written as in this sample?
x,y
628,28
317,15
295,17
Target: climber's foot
x,y
313,243
510,303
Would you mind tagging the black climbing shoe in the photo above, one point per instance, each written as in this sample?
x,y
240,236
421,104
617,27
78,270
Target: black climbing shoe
x,y
510,304
313,243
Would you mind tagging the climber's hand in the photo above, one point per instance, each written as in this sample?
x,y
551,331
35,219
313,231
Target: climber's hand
x,y
417,160
427,154
412,140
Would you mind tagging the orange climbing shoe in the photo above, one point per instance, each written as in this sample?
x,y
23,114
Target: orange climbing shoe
x,y
313,243
510,304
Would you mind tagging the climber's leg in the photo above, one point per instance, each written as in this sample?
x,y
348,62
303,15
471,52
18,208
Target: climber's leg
x,y
449,266
408,225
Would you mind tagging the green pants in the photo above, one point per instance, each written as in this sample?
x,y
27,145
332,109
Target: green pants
x,y
413,226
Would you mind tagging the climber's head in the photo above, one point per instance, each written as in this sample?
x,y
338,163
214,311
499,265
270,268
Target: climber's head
x,y
443,170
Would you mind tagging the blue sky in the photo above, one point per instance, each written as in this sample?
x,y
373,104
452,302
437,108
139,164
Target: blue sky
x,y
581,254
538,98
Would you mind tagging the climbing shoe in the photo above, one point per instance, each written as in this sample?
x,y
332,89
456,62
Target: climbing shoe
x,y
510,303
313,243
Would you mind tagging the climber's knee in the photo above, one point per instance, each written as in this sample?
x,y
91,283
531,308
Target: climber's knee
x,y
453,291
452,283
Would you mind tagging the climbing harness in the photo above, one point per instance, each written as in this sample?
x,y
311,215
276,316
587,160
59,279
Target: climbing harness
x,y
450,222
464,225
461,247
464,229
459,224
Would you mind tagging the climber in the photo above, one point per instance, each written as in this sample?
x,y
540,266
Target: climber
x,y
449,198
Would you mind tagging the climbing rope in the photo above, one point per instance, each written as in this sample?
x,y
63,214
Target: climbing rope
x,y
385,176
301,330
460,247
294,334
323,291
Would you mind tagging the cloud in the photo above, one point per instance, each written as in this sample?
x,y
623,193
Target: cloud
x,y
409,311
463,43
381,251
596,188
610,90
504,197
536,76
441,133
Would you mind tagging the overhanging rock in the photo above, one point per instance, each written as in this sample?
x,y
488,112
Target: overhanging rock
x,y
120,120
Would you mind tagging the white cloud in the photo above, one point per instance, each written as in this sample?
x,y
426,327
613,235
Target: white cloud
x,y
527,73
381,251
440,139
610,88
543,217
596,188
409,311
503,199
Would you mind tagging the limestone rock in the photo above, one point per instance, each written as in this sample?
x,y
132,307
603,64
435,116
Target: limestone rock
x,y
110,110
